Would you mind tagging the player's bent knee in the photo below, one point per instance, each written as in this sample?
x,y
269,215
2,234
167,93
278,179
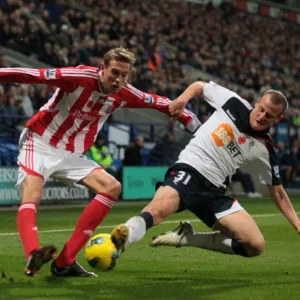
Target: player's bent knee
x,y
31,195
251,249
36,196
114,187
256,248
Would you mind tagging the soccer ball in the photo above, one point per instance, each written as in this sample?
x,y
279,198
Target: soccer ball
x,y
101,253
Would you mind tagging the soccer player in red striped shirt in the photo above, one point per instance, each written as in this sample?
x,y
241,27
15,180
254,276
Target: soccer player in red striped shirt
x,y
55,139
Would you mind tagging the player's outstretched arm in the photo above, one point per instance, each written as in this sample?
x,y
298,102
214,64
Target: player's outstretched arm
x,y
30,76
135,98
176,107
60,77
283,202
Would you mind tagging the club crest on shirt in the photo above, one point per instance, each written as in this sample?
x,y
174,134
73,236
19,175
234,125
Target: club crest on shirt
x,y
107,106
50,74
251,144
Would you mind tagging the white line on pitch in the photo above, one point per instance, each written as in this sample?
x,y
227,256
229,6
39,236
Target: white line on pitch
x,y
112,226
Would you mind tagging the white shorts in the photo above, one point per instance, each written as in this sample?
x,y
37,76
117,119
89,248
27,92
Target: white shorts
x,y
37,157
236,206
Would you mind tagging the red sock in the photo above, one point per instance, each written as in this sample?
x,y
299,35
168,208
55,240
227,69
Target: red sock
x,y
88,221
26,222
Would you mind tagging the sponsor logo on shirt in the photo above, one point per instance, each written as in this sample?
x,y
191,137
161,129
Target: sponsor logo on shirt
x,y
50,74
224,136
83,116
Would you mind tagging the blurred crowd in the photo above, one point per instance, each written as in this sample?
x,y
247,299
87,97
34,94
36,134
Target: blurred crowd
x,y
254,52
18,102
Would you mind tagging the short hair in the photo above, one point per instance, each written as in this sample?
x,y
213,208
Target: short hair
x,y
119,54
278,98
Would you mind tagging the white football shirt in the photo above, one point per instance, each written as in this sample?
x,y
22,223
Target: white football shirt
x,y
226,141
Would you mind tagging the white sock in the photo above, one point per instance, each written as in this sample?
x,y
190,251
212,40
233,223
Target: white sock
x,y
214,241
137,229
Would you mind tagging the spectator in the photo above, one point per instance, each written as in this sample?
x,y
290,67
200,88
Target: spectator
x,y
295,151
26,101
99,153
287,165
133,154
12,112
183,38
59,35
164,152
247,183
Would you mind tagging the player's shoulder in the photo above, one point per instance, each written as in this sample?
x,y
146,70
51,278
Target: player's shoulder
x,y
89,74
127,85
88,68
211,85
129,88
231,95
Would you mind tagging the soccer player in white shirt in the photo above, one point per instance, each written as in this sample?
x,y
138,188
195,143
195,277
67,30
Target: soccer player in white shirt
x,y
55,139
236,134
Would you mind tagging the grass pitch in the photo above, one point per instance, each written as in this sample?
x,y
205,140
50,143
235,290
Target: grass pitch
x,y
159,273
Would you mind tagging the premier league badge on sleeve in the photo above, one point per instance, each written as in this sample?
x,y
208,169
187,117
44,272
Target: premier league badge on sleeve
x,y
50,74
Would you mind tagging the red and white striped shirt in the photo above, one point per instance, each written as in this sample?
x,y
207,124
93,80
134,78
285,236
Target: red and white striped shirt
x,y
73,116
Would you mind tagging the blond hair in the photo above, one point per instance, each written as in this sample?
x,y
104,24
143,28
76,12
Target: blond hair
x,y
278,98
119,54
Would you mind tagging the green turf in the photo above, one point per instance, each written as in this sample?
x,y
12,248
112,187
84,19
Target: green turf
x,y
159,273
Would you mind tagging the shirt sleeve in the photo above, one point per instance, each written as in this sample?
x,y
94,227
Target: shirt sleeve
x,y
134,98
61,77
266,167
217,95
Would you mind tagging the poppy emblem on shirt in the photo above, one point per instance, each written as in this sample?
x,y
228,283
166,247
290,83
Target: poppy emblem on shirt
x,y
241,140
90,104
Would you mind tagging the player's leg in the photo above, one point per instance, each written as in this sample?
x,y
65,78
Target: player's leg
x,y
107,190
167,200
31,183
238,233
31,191
32,188
247,239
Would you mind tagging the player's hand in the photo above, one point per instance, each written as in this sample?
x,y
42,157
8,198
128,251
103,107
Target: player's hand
x,y
176,108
